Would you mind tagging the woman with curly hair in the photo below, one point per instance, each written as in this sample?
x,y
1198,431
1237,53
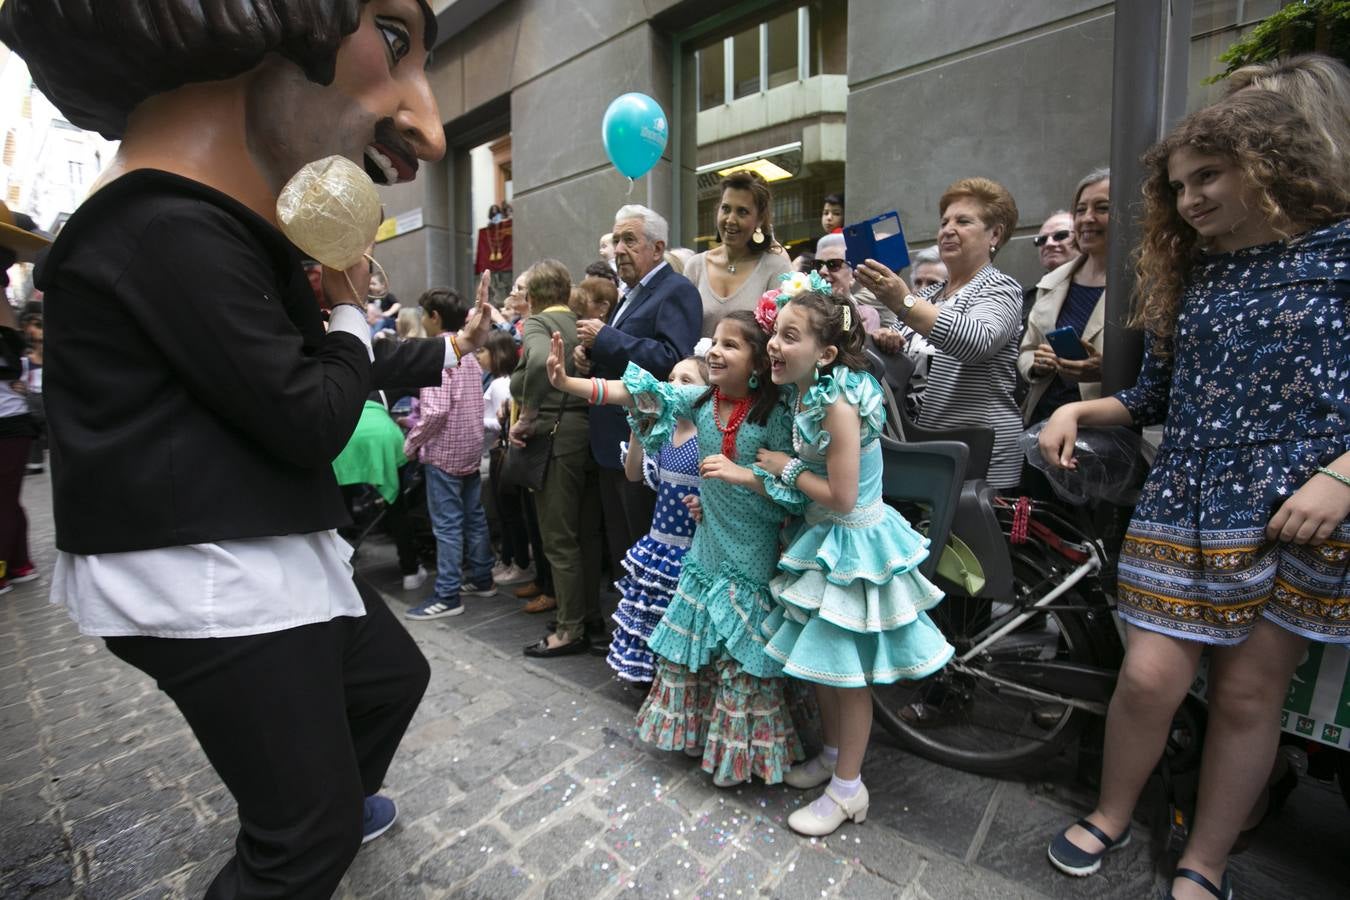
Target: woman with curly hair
x,y
1241,537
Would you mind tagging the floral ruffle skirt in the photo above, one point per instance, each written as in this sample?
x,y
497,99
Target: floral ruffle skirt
x,y
740,726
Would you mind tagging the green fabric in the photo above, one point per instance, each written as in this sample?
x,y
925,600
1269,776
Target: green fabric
x,y
529,382
374,453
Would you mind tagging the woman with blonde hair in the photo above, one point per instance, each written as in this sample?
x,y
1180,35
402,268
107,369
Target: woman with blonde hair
x,y
408,323
1240,538
1318,86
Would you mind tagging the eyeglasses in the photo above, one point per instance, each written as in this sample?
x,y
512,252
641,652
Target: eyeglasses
x,y
1058,237
834,265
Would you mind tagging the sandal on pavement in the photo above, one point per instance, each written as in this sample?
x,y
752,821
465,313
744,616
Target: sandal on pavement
x,y
1223,892
805,821
1072,859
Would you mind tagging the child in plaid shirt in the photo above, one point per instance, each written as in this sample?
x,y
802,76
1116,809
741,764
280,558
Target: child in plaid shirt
x,y
448,440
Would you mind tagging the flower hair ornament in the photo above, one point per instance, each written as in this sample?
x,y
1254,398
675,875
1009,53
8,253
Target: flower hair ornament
x,y
702,347
790,284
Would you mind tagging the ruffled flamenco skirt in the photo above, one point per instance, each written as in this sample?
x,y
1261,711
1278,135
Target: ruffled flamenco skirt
x,y
716,695
653,568
851,603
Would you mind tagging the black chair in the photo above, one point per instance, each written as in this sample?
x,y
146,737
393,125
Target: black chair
x,y
931,475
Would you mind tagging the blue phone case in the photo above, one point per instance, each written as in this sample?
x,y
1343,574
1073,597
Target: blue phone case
x,y
1064,341
880,238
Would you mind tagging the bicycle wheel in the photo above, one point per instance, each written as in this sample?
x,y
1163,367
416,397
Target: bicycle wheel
x,y
975,717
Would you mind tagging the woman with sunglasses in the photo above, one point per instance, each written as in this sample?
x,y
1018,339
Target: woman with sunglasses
x,y
1072,296
735,273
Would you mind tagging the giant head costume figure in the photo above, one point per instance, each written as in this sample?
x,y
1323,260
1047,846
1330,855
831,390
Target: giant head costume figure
x,y
239,94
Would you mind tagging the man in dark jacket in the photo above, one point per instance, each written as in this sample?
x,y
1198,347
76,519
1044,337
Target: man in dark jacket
x,y
656,325
196,401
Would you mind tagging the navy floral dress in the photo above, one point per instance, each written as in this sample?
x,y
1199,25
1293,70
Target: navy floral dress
x,y
1256,396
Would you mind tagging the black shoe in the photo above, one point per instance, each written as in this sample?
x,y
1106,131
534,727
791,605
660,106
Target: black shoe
x,y
541,649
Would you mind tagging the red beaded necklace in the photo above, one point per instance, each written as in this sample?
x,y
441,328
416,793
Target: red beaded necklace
x,y
739,411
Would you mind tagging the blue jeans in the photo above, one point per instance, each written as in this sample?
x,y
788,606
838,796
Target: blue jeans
x,y
455,505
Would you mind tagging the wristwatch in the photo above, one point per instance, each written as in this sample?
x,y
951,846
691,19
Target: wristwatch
x,y
908,304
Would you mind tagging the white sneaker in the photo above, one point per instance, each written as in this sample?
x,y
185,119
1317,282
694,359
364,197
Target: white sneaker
x,y
515,575
415,580
807,821
500,569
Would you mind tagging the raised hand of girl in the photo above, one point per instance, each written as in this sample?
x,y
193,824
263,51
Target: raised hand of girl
x,y
556,365
1312,513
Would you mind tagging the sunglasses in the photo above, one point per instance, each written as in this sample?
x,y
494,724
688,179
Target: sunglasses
x,y
834,265
1058,237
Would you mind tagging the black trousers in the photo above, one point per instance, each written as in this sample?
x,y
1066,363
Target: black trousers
x,y
301,725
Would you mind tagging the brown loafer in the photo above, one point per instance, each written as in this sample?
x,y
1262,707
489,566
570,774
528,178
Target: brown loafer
x,y
526,591
541,603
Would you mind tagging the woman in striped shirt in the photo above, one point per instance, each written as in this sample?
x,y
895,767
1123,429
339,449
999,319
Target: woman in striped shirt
x,y
972,320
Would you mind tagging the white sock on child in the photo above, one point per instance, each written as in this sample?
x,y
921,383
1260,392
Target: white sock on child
x,y
842,788
829,755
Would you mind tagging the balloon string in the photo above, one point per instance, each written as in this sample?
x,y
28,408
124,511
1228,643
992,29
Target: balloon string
x,y
630,187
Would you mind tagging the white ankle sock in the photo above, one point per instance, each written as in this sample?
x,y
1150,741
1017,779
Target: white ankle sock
x,y
829,755
844,790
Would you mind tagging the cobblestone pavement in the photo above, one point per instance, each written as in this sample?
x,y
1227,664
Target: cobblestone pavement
x,y
523,780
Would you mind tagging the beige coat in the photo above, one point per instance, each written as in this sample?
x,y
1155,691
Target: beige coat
x,y
1051,292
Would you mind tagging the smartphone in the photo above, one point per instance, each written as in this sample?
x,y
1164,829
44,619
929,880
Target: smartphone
x,y
880,238
1064,341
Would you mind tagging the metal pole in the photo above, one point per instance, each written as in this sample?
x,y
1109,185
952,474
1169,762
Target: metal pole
x,y
1136,95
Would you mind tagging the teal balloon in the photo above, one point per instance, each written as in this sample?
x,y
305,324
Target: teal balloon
x,y
635,131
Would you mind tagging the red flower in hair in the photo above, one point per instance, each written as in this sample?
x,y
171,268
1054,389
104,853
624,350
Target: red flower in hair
x,y
766,313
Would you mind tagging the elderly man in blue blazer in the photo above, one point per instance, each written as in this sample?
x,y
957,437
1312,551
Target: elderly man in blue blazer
x,y
656,325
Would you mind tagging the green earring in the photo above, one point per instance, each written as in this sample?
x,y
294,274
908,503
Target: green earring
x,y
815,375
754,381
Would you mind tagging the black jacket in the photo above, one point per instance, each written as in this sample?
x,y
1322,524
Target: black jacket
x,y
192,393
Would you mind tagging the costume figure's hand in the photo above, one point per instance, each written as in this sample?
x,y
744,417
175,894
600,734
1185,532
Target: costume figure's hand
x,y
351,286
695,507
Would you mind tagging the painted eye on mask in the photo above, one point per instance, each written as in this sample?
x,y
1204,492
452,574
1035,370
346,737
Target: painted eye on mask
x,y
395,37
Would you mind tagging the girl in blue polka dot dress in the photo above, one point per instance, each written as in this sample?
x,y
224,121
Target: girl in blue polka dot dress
x,y
654,562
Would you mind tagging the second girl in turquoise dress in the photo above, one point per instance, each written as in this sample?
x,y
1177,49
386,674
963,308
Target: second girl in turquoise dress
x,y
851,601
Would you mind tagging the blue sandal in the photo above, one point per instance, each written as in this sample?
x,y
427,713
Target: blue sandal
x,y
1073,860
1223,892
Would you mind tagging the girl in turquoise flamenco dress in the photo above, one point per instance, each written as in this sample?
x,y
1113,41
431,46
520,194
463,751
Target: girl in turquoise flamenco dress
x,y
851,602
716,694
